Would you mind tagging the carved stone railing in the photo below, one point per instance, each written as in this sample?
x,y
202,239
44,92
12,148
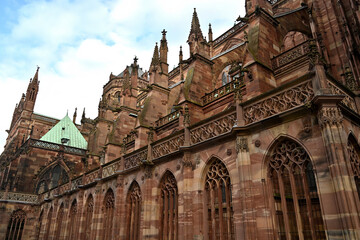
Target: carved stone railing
x,y
217,93
283,101
212,129
63,188
90,177
110,169
273,1
168,118
228,33
348,101
134,159
290,55
129,138
168,146
56,147
76,183
19,197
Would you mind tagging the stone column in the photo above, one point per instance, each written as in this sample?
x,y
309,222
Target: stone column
x,y
335,140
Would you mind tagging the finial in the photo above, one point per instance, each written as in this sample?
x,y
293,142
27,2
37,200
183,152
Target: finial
x,y
164,32
135,60
83,114
74,116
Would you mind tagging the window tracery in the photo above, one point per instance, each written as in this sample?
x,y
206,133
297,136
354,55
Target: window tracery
x,y
354,153
16,225
52,178
108,213
218,202
133,212
72,222
89,216
295,199
59,221
169,207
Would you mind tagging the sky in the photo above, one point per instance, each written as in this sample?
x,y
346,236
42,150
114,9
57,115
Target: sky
x,y
78,43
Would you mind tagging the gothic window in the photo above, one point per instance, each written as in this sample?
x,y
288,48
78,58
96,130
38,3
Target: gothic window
x,y
295,198
72,220
133,211
16,225
169,207
293,39
59,221
88,216
225,77
39,224
354,153
117,97
218,202
52,178
48,225
108,210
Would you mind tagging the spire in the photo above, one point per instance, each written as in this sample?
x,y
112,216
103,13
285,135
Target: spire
x,y
83,114
210,33
155,59
32,91
195,26
35,79
164,53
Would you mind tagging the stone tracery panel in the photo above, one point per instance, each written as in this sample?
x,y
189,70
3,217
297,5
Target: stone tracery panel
x,y
16,225
133,215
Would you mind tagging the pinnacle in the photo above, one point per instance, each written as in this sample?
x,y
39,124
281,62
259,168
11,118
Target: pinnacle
x,y
195,25
156,58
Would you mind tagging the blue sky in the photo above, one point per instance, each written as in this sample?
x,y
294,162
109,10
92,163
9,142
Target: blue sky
x,y
78,43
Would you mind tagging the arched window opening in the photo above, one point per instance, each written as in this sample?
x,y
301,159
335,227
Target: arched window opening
x,y
59,221
117,97
108,210
295,197
219,202
72,220
89,216
354,153
52,178
133,201
293,39
40,222
48,225
168,208
225,77
16,225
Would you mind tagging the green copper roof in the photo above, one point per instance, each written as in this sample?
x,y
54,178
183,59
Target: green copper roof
x,y
65,132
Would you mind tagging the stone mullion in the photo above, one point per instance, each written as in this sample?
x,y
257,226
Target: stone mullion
x,y
221,214
270,192
21,221
329,118
162,213
120,216
283,205
97,215
213,216
228,211
296,205
131,218
137,222
308,203
10,231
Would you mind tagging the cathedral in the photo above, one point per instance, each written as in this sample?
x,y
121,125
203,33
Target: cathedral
x,y
254,136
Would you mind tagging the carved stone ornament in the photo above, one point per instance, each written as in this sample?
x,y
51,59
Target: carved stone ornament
x,y
241,144
187,161
330,116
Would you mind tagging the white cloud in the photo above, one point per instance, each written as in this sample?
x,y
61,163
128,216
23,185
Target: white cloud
x,y
78,43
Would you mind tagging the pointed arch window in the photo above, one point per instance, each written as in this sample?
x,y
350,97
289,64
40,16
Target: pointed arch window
x,y
295,199
218,202
354,155
89,216
72,220
52,178
48,225
16,225
133,215
59,221
168,207
108,210
40,222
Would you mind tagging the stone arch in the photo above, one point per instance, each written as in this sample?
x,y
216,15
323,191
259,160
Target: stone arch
x,y
291,181
108,214
52,176
168,206
72,229
133,215
89,211
16,225
217,190
292,39
353,150
48,223
39,224
59,221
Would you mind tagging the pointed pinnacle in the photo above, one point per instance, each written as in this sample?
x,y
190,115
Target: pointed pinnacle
x,y
195,25
156,58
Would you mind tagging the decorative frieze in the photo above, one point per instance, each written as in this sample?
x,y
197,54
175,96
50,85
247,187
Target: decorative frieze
x,y
134,159
19,197
290,55
348,101
330,116
169,146
281,102
110,169
213,128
